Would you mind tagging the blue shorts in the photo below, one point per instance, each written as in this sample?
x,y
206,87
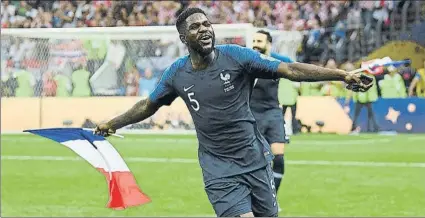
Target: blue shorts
x,y
249,192
271,125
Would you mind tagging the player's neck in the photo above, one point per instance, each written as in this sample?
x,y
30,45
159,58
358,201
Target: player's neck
x,y
200,62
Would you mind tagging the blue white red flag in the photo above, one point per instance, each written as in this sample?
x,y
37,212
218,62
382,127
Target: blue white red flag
x,y
377,66
96,150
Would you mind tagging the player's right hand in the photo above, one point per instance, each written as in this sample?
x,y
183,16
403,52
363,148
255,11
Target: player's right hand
x,y
104,129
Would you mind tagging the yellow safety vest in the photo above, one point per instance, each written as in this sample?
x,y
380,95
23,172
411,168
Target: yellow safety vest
x,y
420,86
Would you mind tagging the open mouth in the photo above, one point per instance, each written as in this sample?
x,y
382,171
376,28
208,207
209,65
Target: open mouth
x,y
206,39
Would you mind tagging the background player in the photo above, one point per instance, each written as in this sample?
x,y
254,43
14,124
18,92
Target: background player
x,y
265,108
216,82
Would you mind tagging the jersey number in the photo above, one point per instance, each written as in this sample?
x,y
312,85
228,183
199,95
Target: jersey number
x,y
195,103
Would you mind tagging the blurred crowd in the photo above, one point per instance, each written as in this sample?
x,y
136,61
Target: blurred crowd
x,y
282,15
326,26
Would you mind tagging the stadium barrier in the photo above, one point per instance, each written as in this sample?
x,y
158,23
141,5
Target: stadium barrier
x,y
26,113
403,115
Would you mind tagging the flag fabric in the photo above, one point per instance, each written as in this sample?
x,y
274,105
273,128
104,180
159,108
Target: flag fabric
x,y
96,150
374,66
377,66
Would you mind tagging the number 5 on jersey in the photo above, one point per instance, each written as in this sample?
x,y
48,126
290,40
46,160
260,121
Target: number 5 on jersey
x,y
193,101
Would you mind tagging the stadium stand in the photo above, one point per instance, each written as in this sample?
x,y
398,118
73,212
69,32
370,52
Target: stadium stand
x,y
345,31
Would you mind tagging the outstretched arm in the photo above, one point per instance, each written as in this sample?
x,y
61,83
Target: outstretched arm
x,y
305,72
301,72
312,73
139,112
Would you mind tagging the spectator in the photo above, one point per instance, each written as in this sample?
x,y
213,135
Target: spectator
x,y
80,23
49,85
96,52
408,73
147,82
367,13
46,20
63,84
132,82
288,94
25,81
382,11
80,81
8,83
364,99
392,86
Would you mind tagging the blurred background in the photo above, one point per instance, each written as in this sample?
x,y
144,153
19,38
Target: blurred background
x,y
337,34
79,63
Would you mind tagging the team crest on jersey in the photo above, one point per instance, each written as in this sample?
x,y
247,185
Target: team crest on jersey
x,y
266,57
227,84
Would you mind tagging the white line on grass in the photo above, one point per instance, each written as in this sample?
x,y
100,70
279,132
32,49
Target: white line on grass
x,y
82,209
190,141
187,160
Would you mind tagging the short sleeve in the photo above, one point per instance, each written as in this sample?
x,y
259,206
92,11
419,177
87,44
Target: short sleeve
x,y
254,63
164,93
282,58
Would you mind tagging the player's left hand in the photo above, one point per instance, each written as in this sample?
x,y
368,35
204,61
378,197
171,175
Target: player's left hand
x,y
358,82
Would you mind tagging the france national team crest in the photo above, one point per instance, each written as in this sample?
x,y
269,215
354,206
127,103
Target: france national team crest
x,y
227,84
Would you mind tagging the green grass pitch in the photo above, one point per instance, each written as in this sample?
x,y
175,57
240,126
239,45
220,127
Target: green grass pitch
x,y
326,175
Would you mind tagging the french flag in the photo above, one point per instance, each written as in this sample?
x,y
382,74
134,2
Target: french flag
x,y
123,189
376,66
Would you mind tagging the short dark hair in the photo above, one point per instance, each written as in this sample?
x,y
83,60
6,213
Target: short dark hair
x,y
269,37
408,63
181,19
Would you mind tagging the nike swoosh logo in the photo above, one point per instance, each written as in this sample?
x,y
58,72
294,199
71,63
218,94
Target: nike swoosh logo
x,y
185,89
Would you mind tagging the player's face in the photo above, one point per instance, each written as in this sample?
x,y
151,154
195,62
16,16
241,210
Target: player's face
x,y
260,43
199,34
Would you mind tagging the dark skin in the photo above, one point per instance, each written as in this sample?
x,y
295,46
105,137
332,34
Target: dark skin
x,y
198,35
201,54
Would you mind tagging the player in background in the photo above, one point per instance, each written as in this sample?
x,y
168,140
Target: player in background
x,y
265,108
216,82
